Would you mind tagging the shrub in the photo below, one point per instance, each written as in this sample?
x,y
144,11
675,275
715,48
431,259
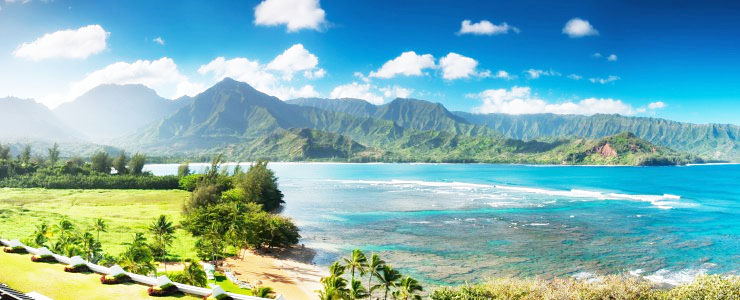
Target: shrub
x,y
160,291
189,182
16,249
706,287
108,279
43,258
219,297
77,268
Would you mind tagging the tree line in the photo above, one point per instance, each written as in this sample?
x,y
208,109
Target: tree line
x,y
100,171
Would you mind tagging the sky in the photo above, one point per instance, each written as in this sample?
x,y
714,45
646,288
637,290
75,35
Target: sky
x,y
678,60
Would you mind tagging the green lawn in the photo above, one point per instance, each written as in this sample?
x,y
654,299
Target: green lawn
x,y
125,212
49,279
227,285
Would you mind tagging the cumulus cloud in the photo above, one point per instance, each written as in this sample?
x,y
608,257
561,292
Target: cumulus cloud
x,y
578,27
72,43
294,14
369,92
534,73
407,64
162,75
610,78
158,40
455,66
296,59
612,57
485,27
520,100
504,75
657,105
265,77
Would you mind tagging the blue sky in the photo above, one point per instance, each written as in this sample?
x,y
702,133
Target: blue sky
x,y
672,59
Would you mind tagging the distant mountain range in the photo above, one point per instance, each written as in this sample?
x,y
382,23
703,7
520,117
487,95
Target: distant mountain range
x,y
235,119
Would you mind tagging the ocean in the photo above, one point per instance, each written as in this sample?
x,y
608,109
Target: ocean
x,y
448,224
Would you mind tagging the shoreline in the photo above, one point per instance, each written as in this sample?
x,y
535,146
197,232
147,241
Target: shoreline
x,y
289,273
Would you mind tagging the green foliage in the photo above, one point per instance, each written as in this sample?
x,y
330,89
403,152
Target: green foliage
x,y
101,162
163,232
260,186
193,274
120,162
183,170
53,154
25,156
92,181
138,257
136,165
189,182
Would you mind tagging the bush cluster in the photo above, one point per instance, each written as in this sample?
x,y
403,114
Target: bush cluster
x,y
162,291
77,268
16,249
43,258
108,279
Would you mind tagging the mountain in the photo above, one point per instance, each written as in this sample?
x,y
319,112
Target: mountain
x,y
235,119
231,112
109,111
27,120
407,113
710,141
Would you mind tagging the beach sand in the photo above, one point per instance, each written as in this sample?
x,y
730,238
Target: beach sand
x,y
289,273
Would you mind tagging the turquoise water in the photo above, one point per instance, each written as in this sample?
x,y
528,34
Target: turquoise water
x,y
451,223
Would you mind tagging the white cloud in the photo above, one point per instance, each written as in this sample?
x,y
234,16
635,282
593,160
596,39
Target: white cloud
x,y
578,27
295,59
407,64
485,27
657,105
263,78
158,40
72,43
612,57
17,1
575,76
610,78
455,66
520,100
369,92
358,91
597,55
534,73
362,77
295,14
392,92
161,75
504,75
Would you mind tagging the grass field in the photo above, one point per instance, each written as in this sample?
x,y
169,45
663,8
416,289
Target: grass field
x,y
125,212
49,279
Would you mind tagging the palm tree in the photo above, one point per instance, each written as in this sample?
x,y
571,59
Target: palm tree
x,y
164,234
262,292
334,287
41,235
388,278
373,267
407,289
90,246
100,226
195,275
357,291
356,261
138,257
64,227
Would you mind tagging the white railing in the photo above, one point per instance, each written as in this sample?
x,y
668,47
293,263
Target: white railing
x,y
189,289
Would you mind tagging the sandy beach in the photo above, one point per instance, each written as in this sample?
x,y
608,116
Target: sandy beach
x,y
288,273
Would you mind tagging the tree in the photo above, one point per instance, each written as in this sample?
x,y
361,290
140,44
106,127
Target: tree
x,y
210,245
262,292
195,275
120,162
260,186
373,268
407,289
357,291
356,261
25,156
101,162
334,287
41,235
138,258
164,234
388,278
136,165
90,247
183,170
4,152
100,226
54,155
